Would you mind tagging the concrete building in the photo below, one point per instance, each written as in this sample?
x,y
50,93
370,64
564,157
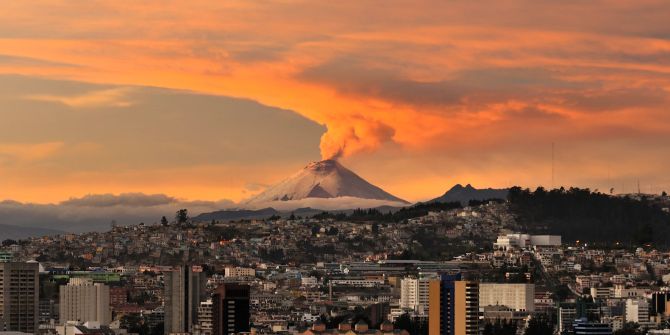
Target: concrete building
x,y
526,241
239,272
414,293
19,296
637,310
82,300
231,309
518,297
454,306
659,300
566,318
584,327
205,318
184,290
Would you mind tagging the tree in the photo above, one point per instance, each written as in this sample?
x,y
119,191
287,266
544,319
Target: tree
x,y
500,327
8,242
164,221
629,328
664,194
413,327
181,216
539,325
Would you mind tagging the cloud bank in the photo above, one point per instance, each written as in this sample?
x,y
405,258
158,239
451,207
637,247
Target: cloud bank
x,y
97,212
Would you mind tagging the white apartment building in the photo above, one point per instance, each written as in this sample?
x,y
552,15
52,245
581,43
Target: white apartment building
x,y
414,293
205,317
637,310
519,297
83,301
526,241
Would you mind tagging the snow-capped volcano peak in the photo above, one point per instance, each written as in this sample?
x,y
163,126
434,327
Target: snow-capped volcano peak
x,y
323,179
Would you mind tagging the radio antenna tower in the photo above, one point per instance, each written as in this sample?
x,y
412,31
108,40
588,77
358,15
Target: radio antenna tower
x,y
552,165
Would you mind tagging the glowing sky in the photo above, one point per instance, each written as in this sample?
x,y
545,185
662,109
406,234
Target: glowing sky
x,y
217,99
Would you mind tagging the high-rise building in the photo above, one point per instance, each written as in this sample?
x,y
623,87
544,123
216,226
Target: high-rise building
x,y
205,320
454,306
566,318
658,302
184,289
518,297
637,310
230,309
414,293
82,300
48,311
19,296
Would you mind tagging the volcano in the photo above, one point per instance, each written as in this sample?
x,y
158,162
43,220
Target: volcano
x,y
327,179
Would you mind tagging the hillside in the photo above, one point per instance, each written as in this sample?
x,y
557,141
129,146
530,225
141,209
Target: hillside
x,y
465,194
579,214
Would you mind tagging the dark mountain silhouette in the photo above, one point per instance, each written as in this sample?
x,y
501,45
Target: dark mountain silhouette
x,y
464,194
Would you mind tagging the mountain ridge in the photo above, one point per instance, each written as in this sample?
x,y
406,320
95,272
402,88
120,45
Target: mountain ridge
x,y
463,194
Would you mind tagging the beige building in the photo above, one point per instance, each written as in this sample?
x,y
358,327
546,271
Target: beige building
x,y
518,297
19,296
239,272
84,301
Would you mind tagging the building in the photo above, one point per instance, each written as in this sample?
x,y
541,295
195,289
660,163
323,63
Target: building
x,y
637,310
566,318
19,296
414,293
205,319
231,309
454,306
184,289
658,302
584,327
48,311
84,328
118,296
386,328
84,301
239,272
510,241
518,297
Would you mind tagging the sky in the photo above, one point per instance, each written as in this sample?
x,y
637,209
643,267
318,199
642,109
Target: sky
x,y
212,100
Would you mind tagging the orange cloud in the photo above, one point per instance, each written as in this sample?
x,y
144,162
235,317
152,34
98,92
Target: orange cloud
x,y
420,77
27,152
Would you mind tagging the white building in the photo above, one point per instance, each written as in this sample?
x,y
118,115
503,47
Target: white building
x,y
239,272
526,241
621,291
205,317
83,301
519,297
637,310
414,293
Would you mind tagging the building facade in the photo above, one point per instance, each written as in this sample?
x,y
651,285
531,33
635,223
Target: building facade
x,y
82,300
518,297
19,296
184,290
231,309
454,306
414,293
